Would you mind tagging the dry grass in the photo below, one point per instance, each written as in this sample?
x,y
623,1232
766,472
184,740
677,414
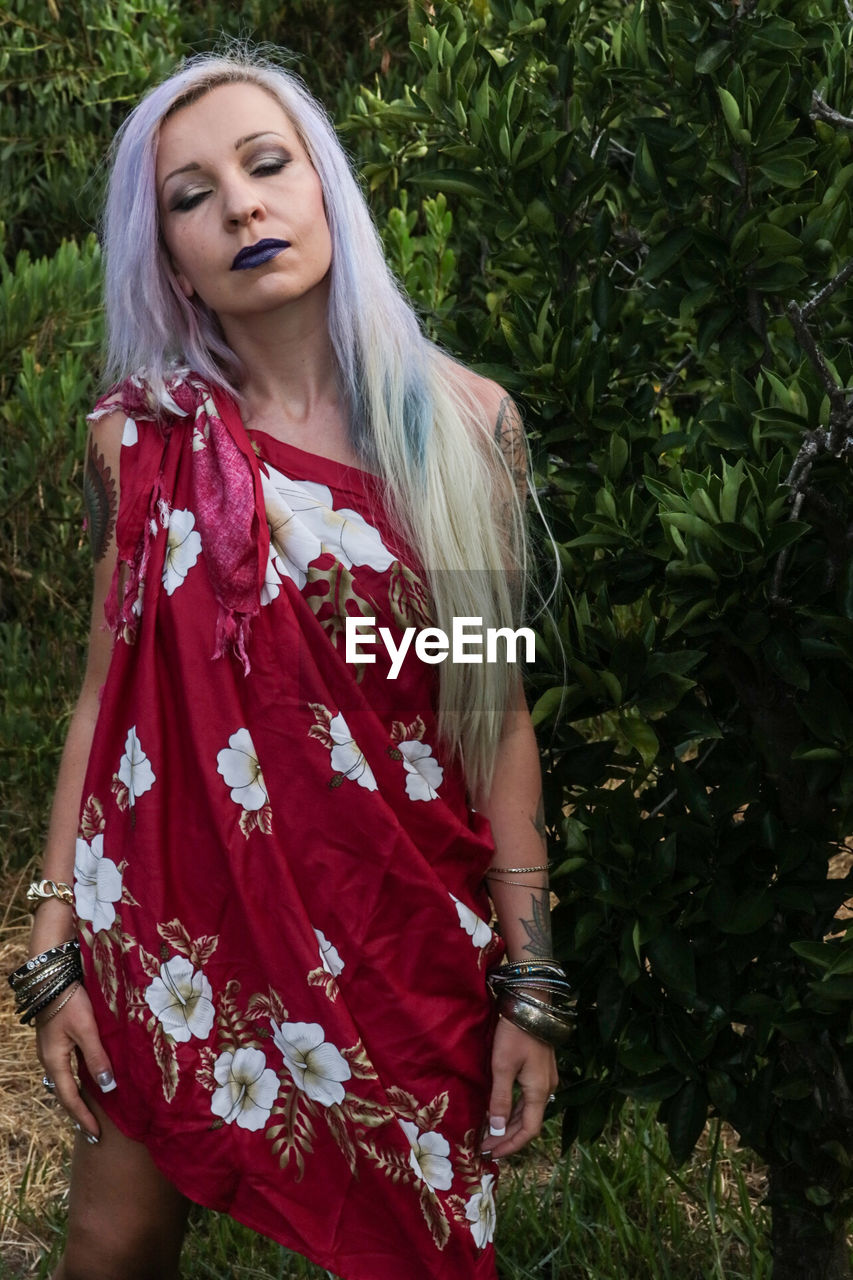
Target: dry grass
x,y
35,1134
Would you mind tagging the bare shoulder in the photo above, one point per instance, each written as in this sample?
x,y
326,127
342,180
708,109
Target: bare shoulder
x,y
495,403
499,412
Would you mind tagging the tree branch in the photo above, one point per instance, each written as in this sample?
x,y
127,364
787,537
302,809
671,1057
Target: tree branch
x,y
836,395
821,110
670,380
828,290
837,439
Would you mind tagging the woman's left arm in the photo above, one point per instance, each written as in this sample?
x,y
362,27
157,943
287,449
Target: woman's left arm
x,y
515,810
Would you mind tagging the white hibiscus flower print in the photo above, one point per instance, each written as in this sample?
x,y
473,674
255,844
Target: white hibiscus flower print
x,y
477,928
332,962
183,549
429,1157
135,768
347,757
423,772
247,1088
481,1212
181,998
272,580
238,763
97,884
304,523
130,433
316,1066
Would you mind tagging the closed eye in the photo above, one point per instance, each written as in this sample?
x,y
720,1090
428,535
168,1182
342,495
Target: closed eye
x,y
269,166
188,202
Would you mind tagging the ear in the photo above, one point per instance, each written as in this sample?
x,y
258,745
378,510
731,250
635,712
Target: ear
x,y
183,284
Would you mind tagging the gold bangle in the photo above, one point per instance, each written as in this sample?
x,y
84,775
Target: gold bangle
x,y
40,890
516,871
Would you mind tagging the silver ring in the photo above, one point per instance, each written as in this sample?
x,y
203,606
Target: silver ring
x,y
552,1097
48,1083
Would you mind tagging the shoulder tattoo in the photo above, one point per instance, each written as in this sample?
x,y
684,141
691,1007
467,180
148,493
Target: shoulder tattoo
x,y
99,496
509,435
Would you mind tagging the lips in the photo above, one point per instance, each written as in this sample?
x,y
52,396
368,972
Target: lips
x,y
255,255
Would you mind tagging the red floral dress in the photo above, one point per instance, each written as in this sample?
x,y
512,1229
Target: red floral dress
x,y
278,880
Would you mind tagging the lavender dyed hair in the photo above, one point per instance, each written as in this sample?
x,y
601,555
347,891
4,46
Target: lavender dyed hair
x,y
151,325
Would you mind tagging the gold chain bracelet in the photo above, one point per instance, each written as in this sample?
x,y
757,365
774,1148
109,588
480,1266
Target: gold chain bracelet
x,y
516,871
40,890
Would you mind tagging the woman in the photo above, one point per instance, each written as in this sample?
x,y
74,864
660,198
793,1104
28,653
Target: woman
x,y
279,868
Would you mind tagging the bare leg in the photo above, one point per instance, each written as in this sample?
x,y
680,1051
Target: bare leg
x,y
126,1221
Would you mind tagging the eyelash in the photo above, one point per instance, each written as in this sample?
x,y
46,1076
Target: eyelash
x,y
264,168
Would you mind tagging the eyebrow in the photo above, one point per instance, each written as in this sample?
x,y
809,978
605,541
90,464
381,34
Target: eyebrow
x,y
241,142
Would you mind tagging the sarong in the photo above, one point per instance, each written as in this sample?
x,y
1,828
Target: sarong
x,y
278,877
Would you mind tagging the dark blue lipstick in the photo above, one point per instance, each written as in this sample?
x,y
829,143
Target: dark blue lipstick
x,y
255,255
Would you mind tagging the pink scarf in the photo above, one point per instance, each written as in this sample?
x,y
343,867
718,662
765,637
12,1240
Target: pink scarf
x,y
227,498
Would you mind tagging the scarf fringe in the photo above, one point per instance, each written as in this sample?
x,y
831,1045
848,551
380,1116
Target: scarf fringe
x,y
123,615
232,634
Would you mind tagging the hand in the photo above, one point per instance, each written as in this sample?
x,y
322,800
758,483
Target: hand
x,y
56,1038
518,1057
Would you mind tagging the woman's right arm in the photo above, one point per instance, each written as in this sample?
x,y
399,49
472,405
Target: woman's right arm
x,y
74,1024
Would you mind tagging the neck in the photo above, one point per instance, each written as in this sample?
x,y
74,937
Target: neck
x,y
289,361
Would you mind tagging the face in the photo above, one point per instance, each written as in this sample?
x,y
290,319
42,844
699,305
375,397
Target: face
x,y
241,206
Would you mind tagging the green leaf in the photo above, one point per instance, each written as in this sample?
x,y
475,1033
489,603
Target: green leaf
x,y
686,1115
731,110
672,960
736,536
782,654
662,255
645,174
459,182
786,172
819,954
641,736
547,706
712,56
692,525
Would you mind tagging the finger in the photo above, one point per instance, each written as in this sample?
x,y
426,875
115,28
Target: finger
x,y
95,1056
57,1065
57,1054
500,1106
524,1126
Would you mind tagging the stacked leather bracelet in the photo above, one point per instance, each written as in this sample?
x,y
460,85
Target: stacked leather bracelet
x,y
536,996
39,981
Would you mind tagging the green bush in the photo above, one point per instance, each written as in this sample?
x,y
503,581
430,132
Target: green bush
x,y
642,204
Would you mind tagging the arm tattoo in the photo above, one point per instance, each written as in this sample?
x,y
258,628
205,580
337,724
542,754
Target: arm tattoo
x,y
538,821
538,927
509,434
99,495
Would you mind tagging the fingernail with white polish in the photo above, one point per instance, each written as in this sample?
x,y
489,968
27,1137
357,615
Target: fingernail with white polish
x,y
105,1080
90,1137
497,1126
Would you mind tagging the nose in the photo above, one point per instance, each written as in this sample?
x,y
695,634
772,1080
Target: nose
x,y
242,203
